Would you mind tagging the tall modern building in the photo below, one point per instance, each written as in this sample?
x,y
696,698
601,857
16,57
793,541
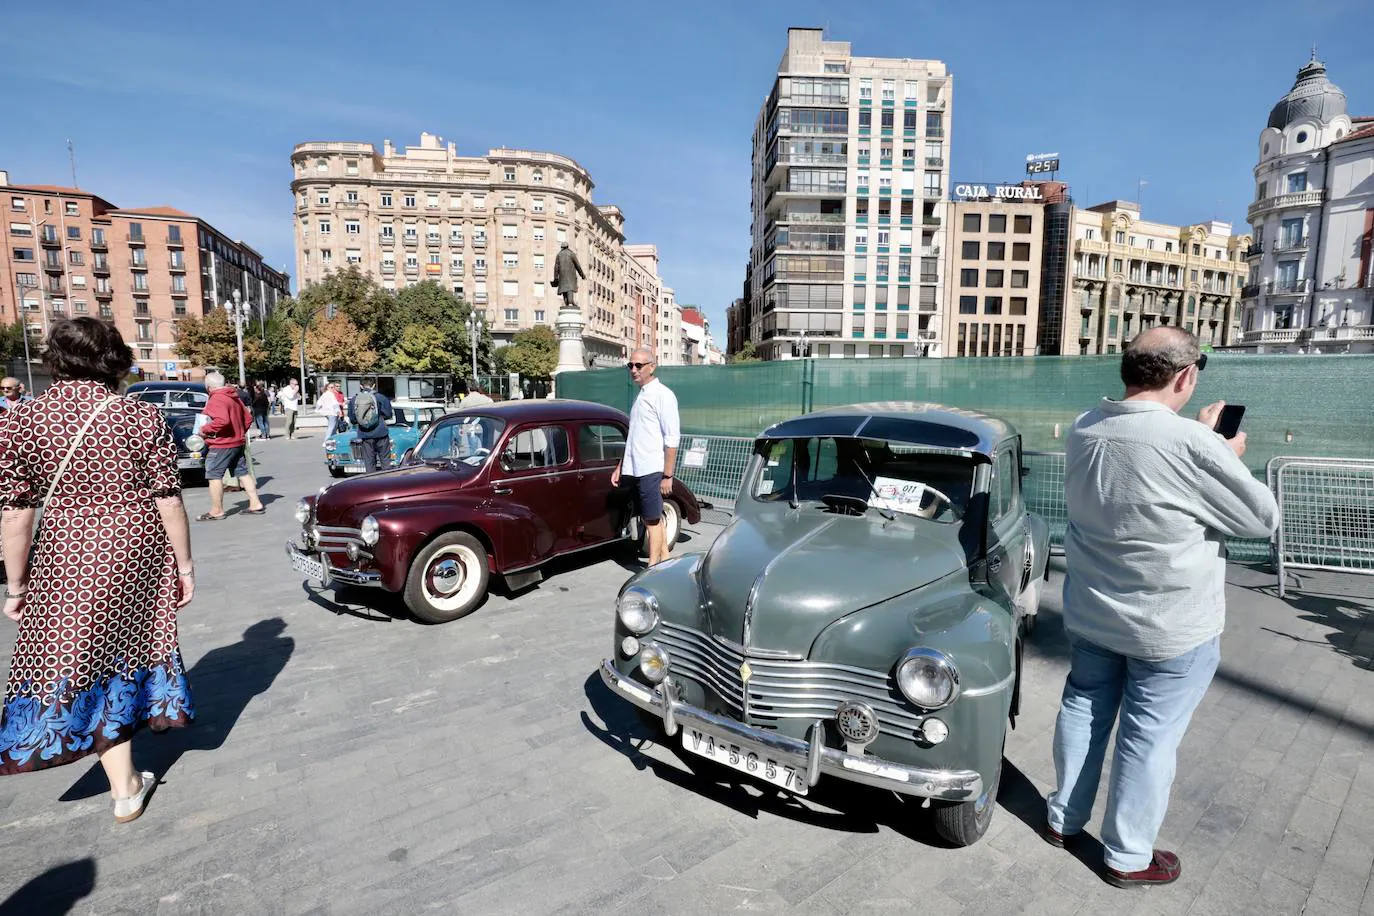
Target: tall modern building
x,y
68,252
850,166
487,227
1311,282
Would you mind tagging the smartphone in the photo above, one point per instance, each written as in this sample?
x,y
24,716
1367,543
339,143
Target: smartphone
x,y
1228,424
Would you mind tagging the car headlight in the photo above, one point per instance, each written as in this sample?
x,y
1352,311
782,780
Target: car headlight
x,y
653,662
369,532
194,443
638,610
928,679
302,511
329,445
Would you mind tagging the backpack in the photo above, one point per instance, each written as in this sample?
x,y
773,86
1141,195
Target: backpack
x,y
365,409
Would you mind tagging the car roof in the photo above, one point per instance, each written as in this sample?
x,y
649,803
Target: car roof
x,y
533,410
408,402
917,422
165,386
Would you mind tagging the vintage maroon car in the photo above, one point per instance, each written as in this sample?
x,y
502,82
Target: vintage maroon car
x,y
500,489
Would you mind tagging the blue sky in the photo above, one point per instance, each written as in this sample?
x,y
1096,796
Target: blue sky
x,y
199,105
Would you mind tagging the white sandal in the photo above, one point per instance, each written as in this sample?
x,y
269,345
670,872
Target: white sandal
x,y
129,809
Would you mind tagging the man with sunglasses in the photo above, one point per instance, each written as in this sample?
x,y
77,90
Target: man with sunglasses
x,y
650,451
1151,498
12,393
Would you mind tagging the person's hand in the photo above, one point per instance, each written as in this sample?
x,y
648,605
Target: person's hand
x,y
14,607
615,476
1209,415
665,486
186,585
1237,443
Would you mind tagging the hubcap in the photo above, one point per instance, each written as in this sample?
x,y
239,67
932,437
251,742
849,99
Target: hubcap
x,y
451,578
445,577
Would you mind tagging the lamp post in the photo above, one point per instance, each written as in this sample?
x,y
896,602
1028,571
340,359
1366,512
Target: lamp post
x,y
158,322
24,320
801,347
474,322
238,314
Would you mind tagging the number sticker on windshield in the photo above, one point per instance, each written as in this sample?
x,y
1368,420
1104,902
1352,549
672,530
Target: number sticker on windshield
x,y
897,495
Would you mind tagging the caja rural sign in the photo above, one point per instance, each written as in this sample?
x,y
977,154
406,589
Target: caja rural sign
x,y
996,192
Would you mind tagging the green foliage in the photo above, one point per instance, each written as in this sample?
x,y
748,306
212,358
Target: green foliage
x,y
12,342
210,341
336,345
746,354
429,305
532,353
356,295
422,348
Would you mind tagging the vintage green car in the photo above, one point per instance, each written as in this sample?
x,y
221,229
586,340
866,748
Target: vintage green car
x,y
861,617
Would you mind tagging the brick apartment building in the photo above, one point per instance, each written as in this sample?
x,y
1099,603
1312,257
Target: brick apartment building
x,y
68,252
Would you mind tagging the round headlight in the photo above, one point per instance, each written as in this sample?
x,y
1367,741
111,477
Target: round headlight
x,y
194,443
638,609
928,679
934,730
302,511
370,532
329,445
653,661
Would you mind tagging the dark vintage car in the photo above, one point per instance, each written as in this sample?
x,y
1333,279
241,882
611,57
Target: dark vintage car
x,y
494,490
170,395
190,446
860,618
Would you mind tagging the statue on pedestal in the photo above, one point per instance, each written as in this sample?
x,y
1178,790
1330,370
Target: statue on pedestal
x,y
566,270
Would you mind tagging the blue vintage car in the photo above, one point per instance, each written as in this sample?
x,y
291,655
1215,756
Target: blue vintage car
x,y
342,451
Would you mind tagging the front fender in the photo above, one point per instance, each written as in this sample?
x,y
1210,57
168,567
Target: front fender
x,y
691,509
405,530
1040,546
674,583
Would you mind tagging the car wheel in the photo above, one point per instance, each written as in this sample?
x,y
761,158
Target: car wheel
x,y
672,522
337,472
448,579
964,823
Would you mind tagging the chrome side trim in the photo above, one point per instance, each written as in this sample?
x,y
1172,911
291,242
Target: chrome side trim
x,y
811,755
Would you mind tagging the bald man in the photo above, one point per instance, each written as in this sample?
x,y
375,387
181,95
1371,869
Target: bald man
x,y
1151,498
11,393
650,451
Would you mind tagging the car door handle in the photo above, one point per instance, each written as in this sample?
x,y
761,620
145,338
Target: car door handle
x,y
501,491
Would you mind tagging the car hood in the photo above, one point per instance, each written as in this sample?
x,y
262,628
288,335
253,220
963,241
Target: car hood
x,y
339,500
775,579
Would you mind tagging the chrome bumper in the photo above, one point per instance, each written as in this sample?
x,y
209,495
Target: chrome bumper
x,y
329,575
810,756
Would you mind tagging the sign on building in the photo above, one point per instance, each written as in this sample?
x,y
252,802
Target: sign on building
x,y
996,192
1037,163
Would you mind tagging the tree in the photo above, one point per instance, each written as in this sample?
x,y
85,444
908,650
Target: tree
x,y
210,341
746,354
532,353
12,342
281,344
422,348
430,305
358,296
336,345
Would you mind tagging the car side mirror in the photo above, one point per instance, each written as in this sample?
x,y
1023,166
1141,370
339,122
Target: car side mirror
x,y
407,455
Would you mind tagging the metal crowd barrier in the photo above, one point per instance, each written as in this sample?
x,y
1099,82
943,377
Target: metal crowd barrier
x,y
1326,514
713,466
1043,489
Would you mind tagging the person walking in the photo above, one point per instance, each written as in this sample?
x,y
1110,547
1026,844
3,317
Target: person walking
x,y
226,436
12,393
1151,497
331,407
369,411
476,397
262,406
96,658
650,451
290,398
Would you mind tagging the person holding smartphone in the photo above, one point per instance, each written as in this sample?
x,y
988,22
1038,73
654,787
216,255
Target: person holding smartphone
x,y
1151,498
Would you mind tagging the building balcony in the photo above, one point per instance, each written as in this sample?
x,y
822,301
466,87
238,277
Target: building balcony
x,y
100,245
935,162
927,308
101,268
412,241
1280,336
177,267
479,242
937,105
1283,202
433,241
1299,244
807,217
137,240
930,278
51,268
930,221
1255,250
180,293
389,268
1343,333
937,132
1250,291
1288,287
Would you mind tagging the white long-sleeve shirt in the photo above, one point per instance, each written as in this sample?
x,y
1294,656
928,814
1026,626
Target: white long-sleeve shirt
x,y
653,427
1151,498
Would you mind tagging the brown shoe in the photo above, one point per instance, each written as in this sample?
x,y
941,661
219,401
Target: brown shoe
x,y
1164,868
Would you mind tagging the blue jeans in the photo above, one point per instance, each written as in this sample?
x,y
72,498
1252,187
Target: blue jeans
x,y
1156,700
332,426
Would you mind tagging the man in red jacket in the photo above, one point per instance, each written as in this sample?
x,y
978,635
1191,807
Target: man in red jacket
x,y
225,431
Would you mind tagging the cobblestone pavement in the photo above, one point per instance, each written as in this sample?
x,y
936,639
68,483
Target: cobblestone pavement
x,y
346,761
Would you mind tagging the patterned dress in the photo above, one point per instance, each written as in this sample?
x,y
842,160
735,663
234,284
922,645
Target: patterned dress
x,y
96,657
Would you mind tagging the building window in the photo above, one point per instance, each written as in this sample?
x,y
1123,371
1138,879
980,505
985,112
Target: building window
x,y
510,261
408,200
325,227
16,203
538,233
351,255
479,201
351,197
74,233
352,226
327,255
560,207
140,281
321,165
968,305
1022,224
931,186
1020,251
537,176
388,232
76,258
969,251
386,199
351,166
997,222
1020,279
994,279
512,314
1018,305
432,200
992,305
968,277
412,262
539,292
509,231
1297,182
973,222
1119,237
135,232
411,232
510,173
997,251
322,197
139,257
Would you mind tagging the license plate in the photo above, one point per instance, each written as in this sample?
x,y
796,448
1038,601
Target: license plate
x,y
184,463
782,775
313,569
353,469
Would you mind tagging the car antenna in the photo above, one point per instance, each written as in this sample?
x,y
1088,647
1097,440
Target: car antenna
x,y
884,512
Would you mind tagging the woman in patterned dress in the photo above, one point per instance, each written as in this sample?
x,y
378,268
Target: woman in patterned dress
x,y
96,658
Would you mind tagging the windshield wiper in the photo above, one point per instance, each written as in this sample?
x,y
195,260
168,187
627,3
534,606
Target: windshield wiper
x,y
885,513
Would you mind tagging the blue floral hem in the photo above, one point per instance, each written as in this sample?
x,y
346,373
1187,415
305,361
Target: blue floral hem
x,y
35,735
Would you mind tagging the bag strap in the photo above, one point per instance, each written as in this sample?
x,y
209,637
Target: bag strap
x,y
76,443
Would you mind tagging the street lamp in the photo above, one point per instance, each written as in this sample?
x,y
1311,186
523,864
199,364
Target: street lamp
x,y
156,347
238,314
474,323
801,346
24,319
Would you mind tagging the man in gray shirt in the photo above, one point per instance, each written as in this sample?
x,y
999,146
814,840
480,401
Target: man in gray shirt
x,y
1151,498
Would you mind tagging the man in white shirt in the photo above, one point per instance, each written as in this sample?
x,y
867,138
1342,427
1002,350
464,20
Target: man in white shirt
x,y
650,450
1151,498
290,398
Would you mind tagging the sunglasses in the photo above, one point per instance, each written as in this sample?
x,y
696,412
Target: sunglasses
x,y
9,387
1201,362
638,365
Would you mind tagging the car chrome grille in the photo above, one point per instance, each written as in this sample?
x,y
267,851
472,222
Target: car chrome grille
x,y
356,448
784,689
337,539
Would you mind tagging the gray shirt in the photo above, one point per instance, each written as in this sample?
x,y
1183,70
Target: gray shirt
x,y
1151,498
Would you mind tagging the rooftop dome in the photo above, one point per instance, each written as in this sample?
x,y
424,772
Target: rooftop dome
x,y
1312,96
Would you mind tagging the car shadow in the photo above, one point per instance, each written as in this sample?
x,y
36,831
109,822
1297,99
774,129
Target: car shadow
x,y
223,682
55,891
375,604
833,803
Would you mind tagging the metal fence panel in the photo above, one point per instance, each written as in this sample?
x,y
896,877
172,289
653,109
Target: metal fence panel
x,y
713,466
1043,489
1326,512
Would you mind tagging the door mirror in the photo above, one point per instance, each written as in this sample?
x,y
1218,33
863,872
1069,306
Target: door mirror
x,y
407,455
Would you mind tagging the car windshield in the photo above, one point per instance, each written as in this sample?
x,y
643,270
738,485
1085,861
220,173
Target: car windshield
x,y
892,477
467,439
405,416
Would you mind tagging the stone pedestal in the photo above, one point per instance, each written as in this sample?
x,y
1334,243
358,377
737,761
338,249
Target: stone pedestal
x,y
570,353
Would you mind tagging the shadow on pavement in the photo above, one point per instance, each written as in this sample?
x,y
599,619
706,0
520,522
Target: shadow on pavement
x,y
358,601
55,891
223,683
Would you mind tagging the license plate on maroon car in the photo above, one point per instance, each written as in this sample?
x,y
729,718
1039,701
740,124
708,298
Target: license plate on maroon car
x,y
760,766
313,569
